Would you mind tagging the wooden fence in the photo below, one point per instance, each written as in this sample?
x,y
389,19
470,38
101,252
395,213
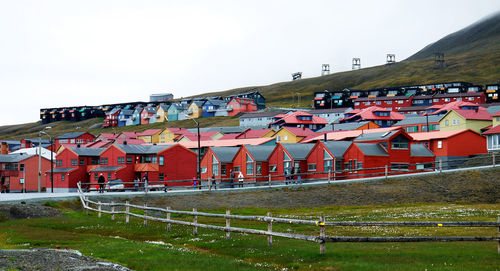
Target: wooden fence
x,y
321,224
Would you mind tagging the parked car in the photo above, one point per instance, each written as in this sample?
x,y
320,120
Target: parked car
x,y
115,185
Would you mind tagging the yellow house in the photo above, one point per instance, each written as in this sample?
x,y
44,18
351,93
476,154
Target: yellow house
x,y
149,136
496,119
269,134
169,134
195,109
458,119
292,134
162,113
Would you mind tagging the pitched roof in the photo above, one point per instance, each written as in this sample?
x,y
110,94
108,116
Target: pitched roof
x,y
87,151
216,102
437,134
260,153
60,170
298,151
474,115
293,118
129,134
226,142
108,136
343,126
494,130
14,158
343,135
225,154
149,132
420,150
337,148
376,136
106,169
303,132
142,149
70,135
372,149
326,111
383,98
495,110
126,112
449,106
410,120
368,114
251,133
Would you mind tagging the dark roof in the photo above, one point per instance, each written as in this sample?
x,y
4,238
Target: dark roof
x,y
422,97
225,154
260,153
217,102
333,110
337,148
60,170
342,126
126,112
375,136
413,108
165,106
419,120
87,151
298,151
420,150
493,109
13,158
98,169
199,103
142,149
372,149
390,98
70,135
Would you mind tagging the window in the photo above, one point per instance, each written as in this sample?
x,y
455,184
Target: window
x,y
400,142
278,138
446,99
203,170
378,102
388,102
425,166
327,161
82,162
104,161
456,122
59,163
258,169
129,160
62,177
161,176
96,176
400,166
21,167
360,165
411,129
338,165
311,167
73,162
272,168
249,165
154,160
121,160
109,176
440,144
237,169
95,161
79,141
223,169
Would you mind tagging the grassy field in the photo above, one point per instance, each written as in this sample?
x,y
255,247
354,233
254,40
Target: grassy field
x,y
153,248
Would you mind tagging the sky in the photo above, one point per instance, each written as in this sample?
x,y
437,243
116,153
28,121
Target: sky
x,y
57,53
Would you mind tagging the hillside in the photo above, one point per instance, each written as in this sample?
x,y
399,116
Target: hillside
x,y
472,54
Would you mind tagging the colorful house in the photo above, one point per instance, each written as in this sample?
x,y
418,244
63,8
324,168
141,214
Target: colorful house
x,y
393,103
289,157
218,162
380,116
326,159
362,125
252,162
20,171
162,113
195,109
72,139
111,119
298,119
168,135
136,116
125,117
255,133
493,134
413,124
459,119
150,136
173,112
293,134
148,115
240,105
214,108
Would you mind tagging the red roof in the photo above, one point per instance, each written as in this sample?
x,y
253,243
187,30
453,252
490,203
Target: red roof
x,y
343,135
225,143
494,130
229,136
108,136
149,132
303,132
194,137
367,114
131,141
422,136
473,114
293,118
497,114
252,133
179,131
129,134
451,106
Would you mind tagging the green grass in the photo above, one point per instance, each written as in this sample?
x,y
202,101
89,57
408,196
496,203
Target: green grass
x,y
130,244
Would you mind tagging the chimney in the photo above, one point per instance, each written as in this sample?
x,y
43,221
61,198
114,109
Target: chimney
x,y
125,142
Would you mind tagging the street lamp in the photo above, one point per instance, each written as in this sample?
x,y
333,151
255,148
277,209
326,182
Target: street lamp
x,y
40,159
198,172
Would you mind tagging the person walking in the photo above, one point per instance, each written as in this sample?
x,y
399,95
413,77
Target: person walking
x,y
231,179
145,180
101,180
136,184
211,182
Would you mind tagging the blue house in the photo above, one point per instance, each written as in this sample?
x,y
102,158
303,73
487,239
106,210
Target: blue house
x,y
212,108
124,116
136,116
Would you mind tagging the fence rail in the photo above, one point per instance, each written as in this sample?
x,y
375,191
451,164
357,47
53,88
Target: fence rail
x,y
321,238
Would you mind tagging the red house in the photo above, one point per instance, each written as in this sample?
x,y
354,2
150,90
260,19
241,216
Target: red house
x,y
240,105
20,171
381,116
298,119
325,158
72,139
452,145
147,114
441,99
218,162
361,156
443,108
73,165
393,103
252,161
111,119
289,158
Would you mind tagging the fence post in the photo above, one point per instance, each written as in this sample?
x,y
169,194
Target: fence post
x,y
269,182
86,205
99,209
334,175
168,217
127,209
228,224
322,235
195,221
112,211
440,166
493,158
329,173
269,229
386,171
145,214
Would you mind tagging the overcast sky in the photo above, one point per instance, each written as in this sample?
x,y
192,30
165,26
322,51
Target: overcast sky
x,y
68,53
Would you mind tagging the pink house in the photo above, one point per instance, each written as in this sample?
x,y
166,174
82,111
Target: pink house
x,y
238,105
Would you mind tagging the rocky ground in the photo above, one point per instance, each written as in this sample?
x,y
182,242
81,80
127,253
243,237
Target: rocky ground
x,y
20,211
52,259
